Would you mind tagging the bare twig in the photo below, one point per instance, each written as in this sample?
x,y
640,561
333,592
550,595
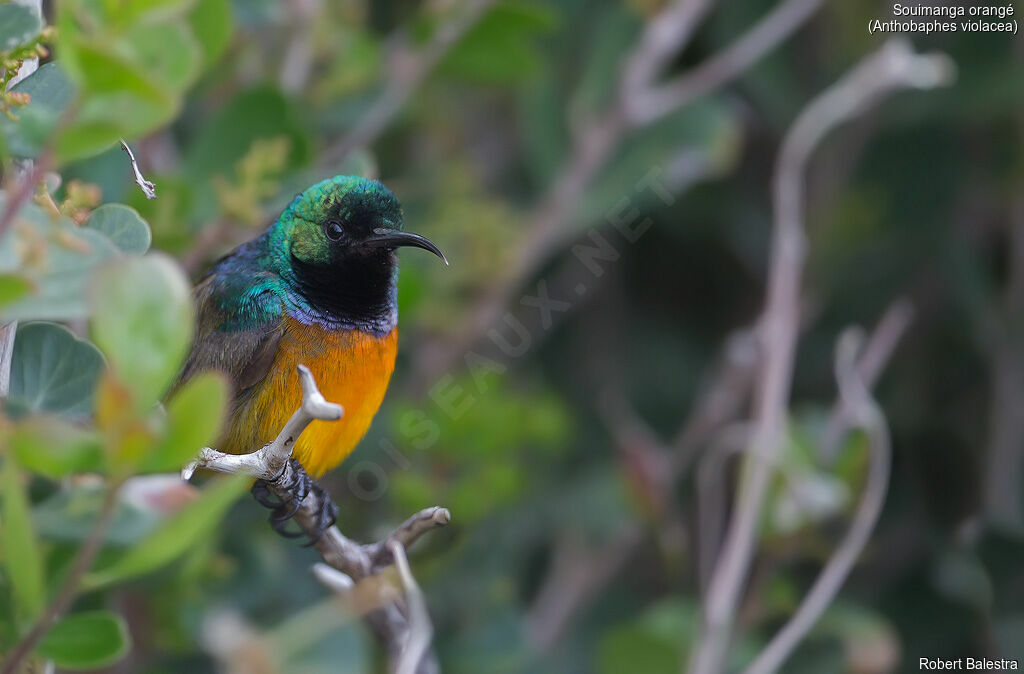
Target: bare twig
x,y
712,497
407,73
148,188
421,631
895,66
862,412
877,352
577,573
580,572
346,562
637,104
269,461
653,104
28,66
23,192
84,558
711,487
7,332
663,35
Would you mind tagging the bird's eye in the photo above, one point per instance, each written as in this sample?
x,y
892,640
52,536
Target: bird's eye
x,y
334,230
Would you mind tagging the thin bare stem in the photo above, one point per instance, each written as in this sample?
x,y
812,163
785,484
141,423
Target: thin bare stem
x,y
863,412
877,352
147,187
725,65
894,66
268,462
23,192
638,104
421,630
69,590
407,74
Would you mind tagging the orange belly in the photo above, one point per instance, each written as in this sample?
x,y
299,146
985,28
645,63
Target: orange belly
x,y
352,368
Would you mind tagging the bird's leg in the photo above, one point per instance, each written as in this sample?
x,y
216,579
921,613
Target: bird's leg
x,y
285,494
261,492
326,514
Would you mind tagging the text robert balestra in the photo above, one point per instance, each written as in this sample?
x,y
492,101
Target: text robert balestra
x,y
972,664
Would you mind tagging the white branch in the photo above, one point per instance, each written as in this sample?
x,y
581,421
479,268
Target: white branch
x,y
863,412
147,187
421,631
894,66
649,106
334,580
269,461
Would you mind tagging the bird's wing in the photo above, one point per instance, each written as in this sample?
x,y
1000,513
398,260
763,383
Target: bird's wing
x,y
244,355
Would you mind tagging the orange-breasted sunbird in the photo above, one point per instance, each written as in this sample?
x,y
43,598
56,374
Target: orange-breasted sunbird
x,y
318,287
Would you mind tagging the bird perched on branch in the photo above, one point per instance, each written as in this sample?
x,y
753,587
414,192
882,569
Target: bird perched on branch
x,y
316,288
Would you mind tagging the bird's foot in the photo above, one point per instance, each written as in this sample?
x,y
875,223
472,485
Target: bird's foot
x,y
326,514
297,484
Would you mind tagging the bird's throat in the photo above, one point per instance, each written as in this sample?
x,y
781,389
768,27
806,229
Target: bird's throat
x,y
356,294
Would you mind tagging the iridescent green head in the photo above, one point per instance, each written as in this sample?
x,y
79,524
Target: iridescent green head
x,y
342,218
335,246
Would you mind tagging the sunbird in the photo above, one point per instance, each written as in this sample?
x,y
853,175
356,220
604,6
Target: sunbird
x,y
318,287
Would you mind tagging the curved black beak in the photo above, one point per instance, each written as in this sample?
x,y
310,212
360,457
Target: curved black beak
x,y
394,238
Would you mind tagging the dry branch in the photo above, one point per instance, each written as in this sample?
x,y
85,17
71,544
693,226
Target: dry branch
x,y
408,69
895,66
147,187
399,626
638,103
861,411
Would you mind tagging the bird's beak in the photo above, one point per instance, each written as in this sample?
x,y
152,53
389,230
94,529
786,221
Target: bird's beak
x,y
393,238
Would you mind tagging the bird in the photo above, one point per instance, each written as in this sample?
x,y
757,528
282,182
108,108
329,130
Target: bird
x,y
319,288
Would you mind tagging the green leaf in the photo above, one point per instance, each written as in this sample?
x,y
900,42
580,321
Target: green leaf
x,y
87,640
123,225
167,52
104,72
51,92
118,98
142,320
19,25
57,257
139,12
501,47
53,371
68,515
22,559
656,642
55,448
211,24
170,540
194,417
13,287
260,113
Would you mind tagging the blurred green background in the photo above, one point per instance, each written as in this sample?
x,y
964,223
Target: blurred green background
x,y
554,442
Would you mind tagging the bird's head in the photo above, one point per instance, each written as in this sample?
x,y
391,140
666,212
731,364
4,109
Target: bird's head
x,y
337,243
345,219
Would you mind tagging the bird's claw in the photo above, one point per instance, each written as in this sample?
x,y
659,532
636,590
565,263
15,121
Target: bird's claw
x,y
298,484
